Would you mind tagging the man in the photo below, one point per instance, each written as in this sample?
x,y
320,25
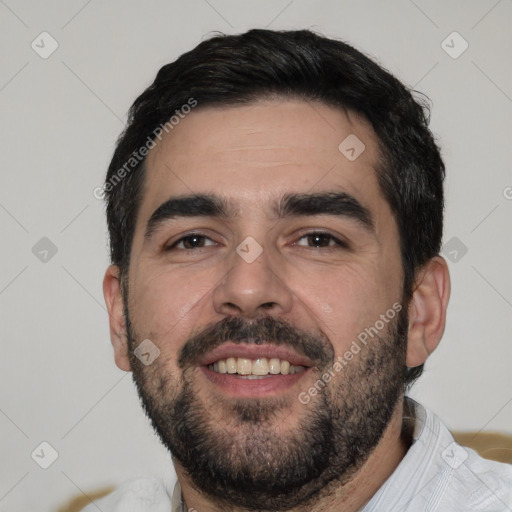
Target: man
x,y
275,211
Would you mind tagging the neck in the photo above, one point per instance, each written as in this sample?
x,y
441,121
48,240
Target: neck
x,y
349,497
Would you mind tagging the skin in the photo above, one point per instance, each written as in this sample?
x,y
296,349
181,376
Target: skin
x,y
252,155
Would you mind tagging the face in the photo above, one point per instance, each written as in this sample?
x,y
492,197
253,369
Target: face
x,y
262,256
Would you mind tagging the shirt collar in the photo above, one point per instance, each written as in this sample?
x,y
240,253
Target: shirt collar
x,y
178,505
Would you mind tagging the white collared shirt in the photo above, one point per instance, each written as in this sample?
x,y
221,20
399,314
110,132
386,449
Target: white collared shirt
x,y
436,475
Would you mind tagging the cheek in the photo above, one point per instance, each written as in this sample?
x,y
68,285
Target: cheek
x,y
164,307
343,302
339,300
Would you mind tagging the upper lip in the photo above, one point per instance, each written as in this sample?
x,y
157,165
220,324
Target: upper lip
x,y
254,351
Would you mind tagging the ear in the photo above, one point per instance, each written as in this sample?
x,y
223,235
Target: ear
x,y
115,307
427,310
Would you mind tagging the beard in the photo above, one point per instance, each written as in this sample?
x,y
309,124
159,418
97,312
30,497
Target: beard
x,y
236,452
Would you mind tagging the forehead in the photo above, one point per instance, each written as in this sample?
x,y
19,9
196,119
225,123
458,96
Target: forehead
x,y
261,151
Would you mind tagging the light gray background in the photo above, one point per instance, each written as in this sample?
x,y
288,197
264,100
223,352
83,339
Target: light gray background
x,y
60,117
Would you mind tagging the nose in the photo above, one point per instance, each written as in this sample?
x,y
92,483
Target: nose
x,y
252,289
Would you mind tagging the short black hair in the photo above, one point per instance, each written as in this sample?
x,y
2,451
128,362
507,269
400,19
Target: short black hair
x,y
260,64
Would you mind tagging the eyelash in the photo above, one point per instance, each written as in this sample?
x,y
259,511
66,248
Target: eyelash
x,y
190,235
339,243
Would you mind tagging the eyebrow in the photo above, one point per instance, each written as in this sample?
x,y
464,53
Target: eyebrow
x,y
198,205
338,204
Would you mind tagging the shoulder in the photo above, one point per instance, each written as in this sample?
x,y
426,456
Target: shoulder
x,y
138,495
477,483
439,474
456,477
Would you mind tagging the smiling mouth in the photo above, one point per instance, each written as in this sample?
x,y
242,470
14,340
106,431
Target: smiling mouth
x,y
250,370
259,368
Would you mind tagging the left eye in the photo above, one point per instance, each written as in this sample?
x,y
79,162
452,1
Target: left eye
x,y
320,240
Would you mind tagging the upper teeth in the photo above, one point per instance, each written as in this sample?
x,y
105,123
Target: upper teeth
x,y
260,366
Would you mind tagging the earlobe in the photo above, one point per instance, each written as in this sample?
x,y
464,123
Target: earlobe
x,y
427,310
115,306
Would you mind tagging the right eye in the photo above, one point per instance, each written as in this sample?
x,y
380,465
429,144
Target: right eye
x,y
190,242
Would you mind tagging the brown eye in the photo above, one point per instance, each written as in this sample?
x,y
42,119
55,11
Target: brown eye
x,y
191,242
319,240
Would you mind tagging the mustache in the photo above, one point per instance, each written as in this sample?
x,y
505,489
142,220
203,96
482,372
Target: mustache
x,y
318,349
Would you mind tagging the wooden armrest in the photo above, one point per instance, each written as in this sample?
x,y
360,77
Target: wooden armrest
x,y
490,445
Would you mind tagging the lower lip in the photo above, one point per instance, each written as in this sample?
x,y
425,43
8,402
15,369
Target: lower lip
x,y
272,385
